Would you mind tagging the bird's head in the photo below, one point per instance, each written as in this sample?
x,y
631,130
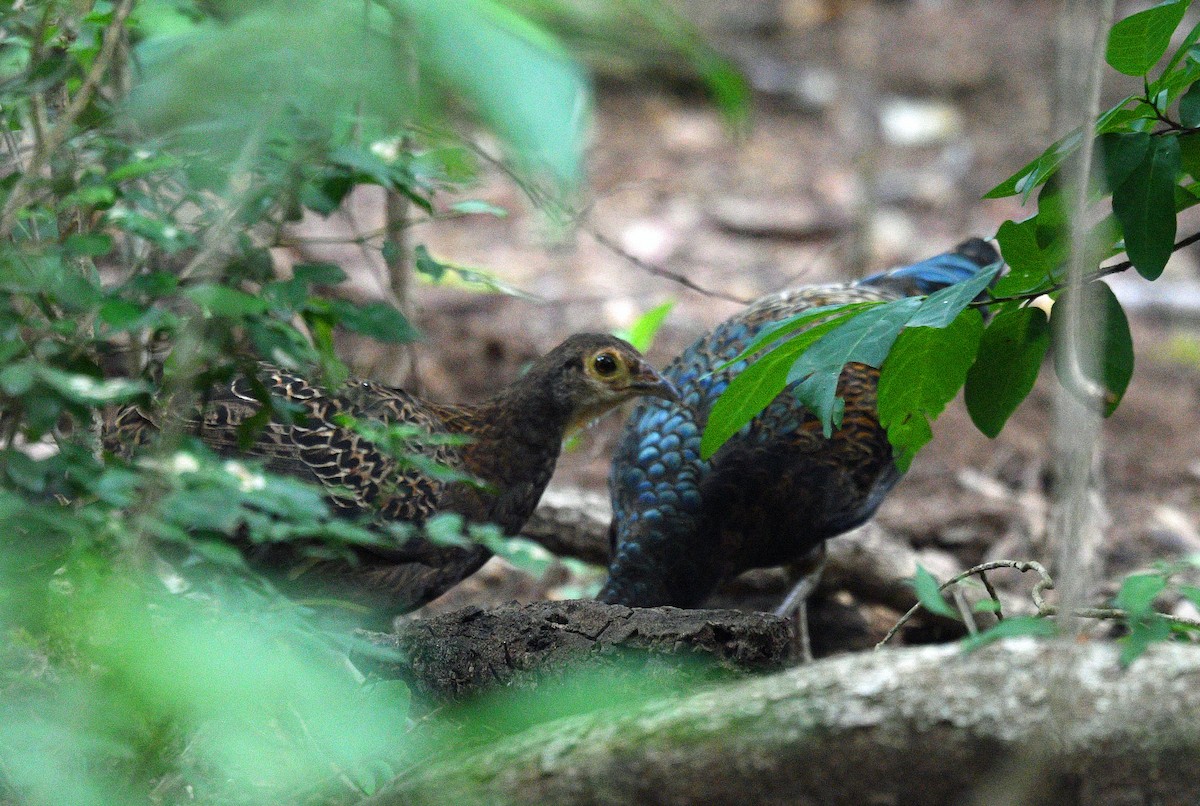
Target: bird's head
x,y
594,372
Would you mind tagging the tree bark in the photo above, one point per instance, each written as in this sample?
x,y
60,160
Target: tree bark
x,y
1019,722
475,649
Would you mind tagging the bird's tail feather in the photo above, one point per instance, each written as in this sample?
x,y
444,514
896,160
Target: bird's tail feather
x,y
968,259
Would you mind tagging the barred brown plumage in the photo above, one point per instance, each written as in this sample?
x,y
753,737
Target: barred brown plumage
x,y
514,442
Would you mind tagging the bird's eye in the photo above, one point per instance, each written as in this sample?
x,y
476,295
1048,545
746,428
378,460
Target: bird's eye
x,y
605,364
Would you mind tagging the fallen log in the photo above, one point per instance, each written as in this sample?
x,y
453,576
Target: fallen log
x,y
1019,722
475,649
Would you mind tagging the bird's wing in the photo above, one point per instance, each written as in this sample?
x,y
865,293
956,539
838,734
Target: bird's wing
x,y
309,441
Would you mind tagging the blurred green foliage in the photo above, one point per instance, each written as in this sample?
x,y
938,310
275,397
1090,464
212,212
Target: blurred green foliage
x,y
154,152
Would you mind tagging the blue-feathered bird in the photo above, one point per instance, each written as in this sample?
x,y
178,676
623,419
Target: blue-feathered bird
x,y
778,488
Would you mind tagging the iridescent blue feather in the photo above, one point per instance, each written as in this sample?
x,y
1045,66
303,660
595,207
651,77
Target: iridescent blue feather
x,y
778,488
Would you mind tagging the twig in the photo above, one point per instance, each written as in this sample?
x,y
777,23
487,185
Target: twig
x,y
541,200
1111,613
399,269
58,135
1103,271
1044,609
987,585
658,271
964,610
1044,583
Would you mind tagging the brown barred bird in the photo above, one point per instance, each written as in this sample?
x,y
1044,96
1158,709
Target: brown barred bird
x,y
514,442
778,488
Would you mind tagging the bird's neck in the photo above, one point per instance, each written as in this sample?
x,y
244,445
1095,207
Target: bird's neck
x,y
530,409
515,435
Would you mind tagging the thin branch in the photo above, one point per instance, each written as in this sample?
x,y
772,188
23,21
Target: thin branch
x,y
1045,583
1044,608
1103,271
541,200
58,135
658,271
1173,126
964,611
1115,613
991,591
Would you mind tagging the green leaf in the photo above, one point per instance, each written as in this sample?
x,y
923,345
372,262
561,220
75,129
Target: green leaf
x,y
1028,265
1122,152
1145,206
1189,154
1117,116
1039,170
642,332
318,273
986,606
1011,627
512,74
17,379
92,391
865,339
366,163
243,79
1138,593
378,320
426,264
285,296
777,330
943,306
218,300
1113,366
470,278
139,168
122,315
1009,360
1189,106
1146,627
91,244
155,283
753,389
1185,49
1137,42
1186,197
930,596
922,373
478,207
1142,634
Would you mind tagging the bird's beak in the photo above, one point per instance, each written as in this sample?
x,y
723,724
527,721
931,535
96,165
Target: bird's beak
x,y
647,381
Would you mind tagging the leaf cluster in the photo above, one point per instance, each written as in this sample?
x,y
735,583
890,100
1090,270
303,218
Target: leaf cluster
x,y
155,153
1145,175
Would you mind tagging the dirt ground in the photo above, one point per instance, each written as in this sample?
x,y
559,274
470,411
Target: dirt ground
x,y
877,128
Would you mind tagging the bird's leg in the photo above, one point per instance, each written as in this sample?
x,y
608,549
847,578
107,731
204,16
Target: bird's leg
x,y
795,604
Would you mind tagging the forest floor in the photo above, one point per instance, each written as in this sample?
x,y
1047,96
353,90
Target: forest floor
x,y
875,133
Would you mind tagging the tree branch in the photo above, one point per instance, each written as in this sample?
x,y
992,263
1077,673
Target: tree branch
x,y
1103,271
58,135
658,271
